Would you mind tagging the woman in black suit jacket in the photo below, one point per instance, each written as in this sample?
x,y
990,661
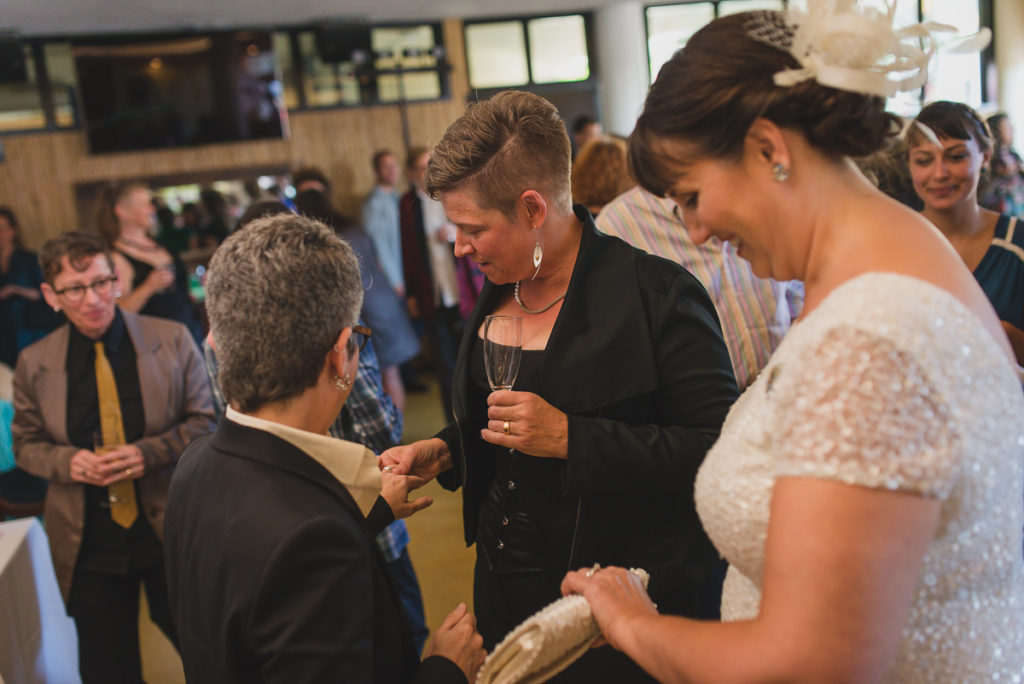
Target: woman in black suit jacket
x,y
273,572
624,384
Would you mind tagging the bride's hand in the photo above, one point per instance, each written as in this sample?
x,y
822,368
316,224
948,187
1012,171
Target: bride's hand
x,y
616,596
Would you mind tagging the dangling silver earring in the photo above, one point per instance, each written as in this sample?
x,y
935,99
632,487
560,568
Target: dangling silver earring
x,y
342,383
538,253
780,172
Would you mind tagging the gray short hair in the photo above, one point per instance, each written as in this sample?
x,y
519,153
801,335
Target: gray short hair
x,y
279,292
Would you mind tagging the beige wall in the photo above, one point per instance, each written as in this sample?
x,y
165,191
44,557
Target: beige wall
x,y
38,178
1008,24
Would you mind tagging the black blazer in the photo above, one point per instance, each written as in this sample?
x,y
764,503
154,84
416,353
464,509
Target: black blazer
x,y
637,361
273,572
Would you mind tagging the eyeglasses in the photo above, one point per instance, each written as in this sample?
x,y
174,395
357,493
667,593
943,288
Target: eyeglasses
x,y
75,293
361,335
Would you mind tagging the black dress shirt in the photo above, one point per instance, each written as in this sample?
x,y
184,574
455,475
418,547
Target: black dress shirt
x,y
106,546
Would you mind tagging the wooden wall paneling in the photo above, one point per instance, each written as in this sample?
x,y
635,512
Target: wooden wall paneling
x,y
39,177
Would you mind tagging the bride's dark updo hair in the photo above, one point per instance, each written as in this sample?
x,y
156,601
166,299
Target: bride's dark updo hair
x,y
712,90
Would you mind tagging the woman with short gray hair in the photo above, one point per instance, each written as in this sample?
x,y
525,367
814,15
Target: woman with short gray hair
x,y
272,567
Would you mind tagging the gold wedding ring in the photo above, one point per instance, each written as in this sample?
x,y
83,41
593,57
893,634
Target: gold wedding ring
x,y
128,472
506,427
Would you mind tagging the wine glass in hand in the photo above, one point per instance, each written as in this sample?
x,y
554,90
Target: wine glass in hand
x,y
503,349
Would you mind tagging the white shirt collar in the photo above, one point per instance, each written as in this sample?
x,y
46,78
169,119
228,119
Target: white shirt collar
x,y
353,465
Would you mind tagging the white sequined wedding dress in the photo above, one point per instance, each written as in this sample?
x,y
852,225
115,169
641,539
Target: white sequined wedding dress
x,y
891,383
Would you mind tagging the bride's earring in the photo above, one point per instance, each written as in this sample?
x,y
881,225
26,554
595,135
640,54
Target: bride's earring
x,y
342,383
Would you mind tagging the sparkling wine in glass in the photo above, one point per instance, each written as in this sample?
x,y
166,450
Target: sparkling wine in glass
x,y
503,349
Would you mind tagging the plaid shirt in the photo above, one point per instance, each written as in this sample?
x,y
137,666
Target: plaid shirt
x,y
368,417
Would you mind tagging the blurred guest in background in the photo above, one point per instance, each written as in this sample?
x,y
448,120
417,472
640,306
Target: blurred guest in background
x,y
23,314
1002,189
755,313
584,129
152,280
382,309
948,145
381,221
217,222
600,173
431,278
103,407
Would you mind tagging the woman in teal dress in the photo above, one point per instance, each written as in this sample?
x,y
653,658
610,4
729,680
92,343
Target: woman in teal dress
x,y
948,146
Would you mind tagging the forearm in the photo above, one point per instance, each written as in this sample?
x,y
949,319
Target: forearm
x,y
136,298
674,649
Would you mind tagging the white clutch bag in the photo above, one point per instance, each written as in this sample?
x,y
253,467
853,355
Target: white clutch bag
x,y
545,643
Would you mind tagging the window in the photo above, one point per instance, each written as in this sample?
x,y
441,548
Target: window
x,y
951,76
558,49
520,52
407,65
407,61
21,105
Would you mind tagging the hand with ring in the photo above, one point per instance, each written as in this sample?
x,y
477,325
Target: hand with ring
x,y
616,596
525,422
121,462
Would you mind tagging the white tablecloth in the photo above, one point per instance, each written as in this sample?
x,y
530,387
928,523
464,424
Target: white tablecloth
x,y
38,642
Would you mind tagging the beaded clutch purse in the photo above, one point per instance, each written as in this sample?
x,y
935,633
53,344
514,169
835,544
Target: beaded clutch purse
x,y
545,643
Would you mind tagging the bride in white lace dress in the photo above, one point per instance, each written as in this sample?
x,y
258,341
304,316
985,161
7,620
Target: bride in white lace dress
x,y
867,488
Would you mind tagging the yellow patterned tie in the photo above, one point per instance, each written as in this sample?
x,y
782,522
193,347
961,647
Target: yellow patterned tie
x,y
123,508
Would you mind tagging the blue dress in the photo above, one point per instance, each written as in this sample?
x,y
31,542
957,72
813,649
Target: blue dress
x,y
1001,271
16,329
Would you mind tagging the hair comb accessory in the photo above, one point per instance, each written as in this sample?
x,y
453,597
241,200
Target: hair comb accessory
x,y
546,643
851,45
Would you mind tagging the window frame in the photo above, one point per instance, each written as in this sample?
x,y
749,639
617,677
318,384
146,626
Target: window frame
x,y
985,19
44,87
531,85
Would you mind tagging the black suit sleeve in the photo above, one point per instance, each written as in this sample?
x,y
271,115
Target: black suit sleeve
x,y
662,450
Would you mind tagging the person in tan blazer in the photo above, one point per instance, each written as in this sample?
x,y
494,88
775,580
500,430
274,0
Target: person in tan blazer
x,y
165,401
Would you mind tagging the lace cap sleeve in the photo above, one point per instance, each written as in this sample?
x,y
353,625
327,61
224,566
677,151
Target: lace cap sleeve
x,y
862,411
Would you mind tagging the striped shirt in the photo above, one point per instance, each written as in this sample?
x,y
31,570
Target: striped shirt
x,y
755,313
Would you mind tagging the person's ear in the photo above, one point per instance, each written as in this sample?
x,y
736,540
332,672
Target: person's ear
x,y
340,354
765,141
534,207
50,296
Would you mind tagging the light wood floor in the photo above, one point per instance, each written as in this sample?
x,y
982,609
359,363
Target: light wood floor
x,y
442,561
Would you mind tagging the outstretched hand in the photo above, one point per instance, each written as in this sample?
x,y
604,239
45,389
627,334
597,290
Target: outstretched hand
x,y
616,596
425,459
457,640
396,488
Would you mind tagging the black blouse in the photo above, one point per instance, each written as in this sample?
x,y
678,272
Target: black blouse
x,y
525,520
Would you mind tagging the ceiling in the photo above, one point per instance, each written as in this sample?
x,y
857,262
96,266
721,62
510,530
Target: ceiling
x,y
75,17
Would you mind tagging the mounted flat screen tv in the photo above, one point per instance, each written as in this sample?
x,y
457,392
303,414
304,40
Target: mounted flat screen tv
x,y
145,92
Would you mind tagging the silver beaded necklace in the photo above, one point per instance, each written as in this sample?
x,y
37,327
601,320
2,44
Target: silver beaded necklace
x,y
515,295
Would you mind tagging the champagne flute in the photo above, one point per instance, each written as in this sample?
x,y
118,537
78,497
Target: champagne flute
x,y
503,349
